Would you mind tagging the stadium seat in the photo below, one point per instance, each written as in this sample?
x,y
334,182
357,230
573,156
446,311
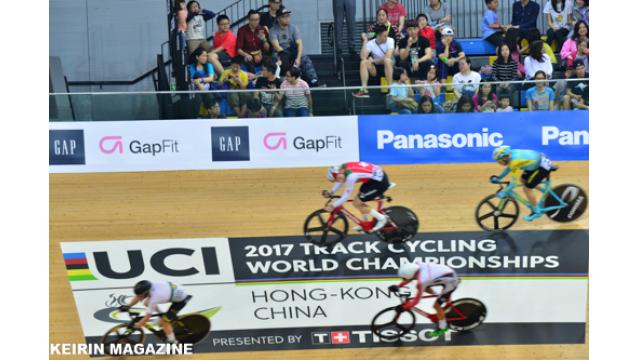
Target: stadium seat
x,y
476,47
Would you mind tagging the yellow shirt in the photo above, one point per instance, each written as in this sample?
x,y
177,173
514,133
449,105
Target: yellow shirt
x,y
244,78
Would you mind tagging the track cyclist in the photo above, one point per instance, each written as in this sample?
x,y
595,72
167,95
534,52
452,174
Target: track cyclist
x,y
374,183
429,275
535,167
154,293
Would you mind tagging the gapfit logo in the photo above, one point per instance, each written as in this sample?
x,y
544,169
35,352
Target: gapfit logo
x,y
343,337
66,147
438,141
113,144
278,140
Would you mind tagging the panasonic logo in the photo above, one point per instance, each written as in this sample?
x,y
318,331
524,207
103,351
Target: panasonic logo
x,y
437,141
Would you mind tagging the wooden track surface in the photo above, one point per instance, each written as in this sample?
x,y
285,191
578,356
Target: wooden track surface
x,y
190,204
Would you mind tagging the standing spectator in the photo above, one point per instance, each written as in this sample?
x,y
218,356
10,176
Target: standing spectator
x,y
196,26
559,20
431,86
414,52
578,91
252,42
396,12
287,42
537,61
504,68
427,106
450,54
426,31
382,18
376,57
181,21
524,16
400,98
254,109
492,30
540,97
270,99
269,18
297,96
345,10
485,98
237,79
581,11
570,46
466,82
202,75
504,104
439,14
464,105
224,41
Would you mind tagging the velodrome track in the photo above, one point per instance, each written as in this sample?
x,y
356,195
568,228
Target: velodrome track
x,y
191,204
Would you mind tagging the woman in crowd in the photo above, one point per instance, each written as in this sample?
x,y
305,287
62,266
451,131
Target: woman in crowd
x,y
537,60
504,68
570,47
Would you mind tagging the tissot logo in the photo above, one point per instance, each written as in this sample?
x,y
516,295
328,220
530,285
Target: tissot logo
x,y
333,337
230,143
66,147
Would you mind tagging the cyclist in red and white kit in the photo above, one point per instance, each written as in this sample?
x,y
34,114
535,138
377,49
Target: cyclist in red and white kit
x,y
374,183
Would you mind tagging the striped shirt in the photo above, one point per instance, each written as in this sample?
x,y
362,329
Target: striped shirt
x,y
504,72
295,94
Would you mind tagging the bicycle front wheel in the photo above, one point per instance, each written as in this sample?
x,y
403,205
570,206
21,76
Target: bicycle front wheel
x,y
391,323
191,328
318,230
120,335
493,214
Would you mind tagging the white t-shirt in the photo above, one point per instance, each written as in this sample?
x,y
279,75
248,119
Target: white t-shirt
x,y
163,292
379,50
466,84
560,19
531,66
432,274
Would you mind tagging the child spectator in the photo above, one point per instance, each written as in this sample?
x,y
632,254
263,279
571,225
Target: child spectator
x,y
396,11
202,75
269,18
297,96
561,86
439,14
376,58
465,104
213,111
414,52
578,91
431,86
558,18
504,104
492,30
485,98
581,11
427,106
382,18
524,17
537,61
504,68
570,46
426,31
181,21
224,42
269,99
400,98
467,81
237,79
254,110
450,54
540,97
252,42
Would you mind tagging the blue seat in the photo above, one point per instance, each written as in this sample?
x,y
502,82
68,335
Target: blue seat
x,y
477,47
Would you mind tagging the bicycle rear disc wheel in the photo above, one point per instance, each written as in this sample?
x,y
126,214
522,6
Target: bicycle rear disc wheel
x,y
490,217
576,200
473,310
120,335
319,232
403,225
390,324
192,328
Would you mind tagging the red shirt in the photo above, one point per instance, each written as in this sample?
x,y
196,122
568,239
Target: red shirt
x,y
394,12
226,41
248,40
360,167
428,33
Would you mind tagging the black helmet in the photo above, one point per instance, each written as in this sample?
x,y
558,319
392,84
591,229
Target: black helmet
x,y
142,287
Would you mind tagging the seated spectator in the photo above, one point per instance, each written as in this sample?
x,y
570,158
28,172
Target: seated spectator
x,y
577,96
504,68
546,48
561,86
181,14
382,19
427,106
253,110
287,43
558,19
253,42
297,96
450,53
504,104
431,86
237,79
376,58
400,98
485,98
269,18
396,12
581,11
524,17
439,14
414,52
540,97
583,53
214,112
202,75
224,42
426,31
196,37
570,46
537,61
464,105
492,30
467,81
269,99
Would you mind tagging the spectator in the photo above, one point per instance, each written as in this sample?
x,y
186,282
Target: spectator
x,y
535,35
287,42
492,30
431,86
504,104
253,110
270,99
540,97
214,112
439,14
345,10
450,53
382,19
396,12
558,18
561,86
400,98
426,31
583,53
464,105
252,42
224,41
537,61
202,75
196,26
297,96
427,106
181,21
466,82
570,47
524,17
269,18
376,57
581,11
414,52
577,96
485,98
237,79
504,68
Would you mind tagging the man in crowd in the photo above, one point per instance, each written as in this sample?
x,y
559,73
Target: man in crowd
x,y
270,99
376,57
345,9
414,52
224,41
269,18
524,15
450,54
577,96
253,42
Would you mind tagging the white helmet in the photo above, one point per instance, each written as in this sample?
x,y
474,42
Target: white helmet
x,y
332,173
408,270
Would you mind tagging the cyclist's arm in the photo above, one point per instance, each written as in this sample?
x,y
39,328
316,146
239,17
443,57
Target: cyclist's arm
x,y
504,173
349,184
134,300
336,187
415,300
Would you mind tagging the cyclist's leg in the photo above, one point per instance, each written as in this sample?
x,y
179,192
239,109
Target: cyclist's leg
x,y
171,315
526,180
370,191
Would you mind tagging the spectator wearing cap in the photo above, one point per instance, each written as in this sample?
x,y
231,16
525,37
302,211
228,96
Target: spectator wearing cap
x,y
524,17
492,30
570,47
287,43
450,53
396,11
297,97
558,19
537,60
540,97
467,81
269,18
376,58
224,41
426,31
414,52
253,42
439,14
382,18
345,10
577,96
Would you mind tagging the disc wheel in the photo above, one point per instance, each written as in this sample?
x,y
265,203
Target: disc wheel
x,y
192,328
576,200
403,225
473,310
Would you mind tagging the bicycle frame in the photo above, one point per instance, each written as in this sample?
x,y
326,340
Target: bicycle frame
x,y
434,317
546,191
350,215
